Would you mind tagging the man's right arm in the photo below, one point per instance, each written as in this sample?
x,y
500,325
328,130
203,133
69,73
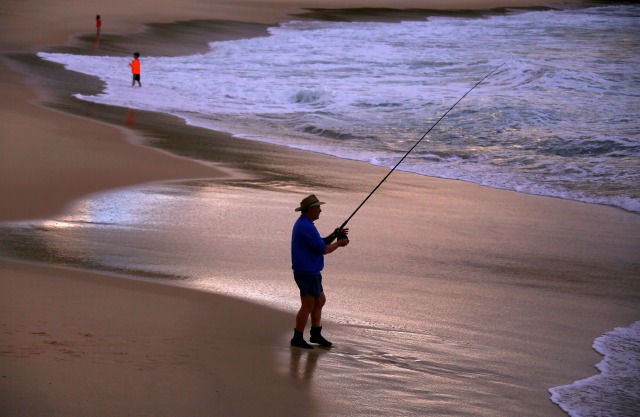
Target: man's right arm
x,y
335,245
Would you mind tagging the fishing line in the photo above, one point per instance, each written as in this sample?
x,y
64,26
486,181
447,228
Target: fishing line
x,y
342,235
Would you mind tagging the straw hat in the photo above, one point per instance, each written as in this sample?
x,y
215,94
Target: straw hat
x,y
309,201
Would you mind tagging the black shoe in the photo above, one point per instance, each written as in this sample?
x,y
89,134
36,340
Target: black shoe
x,y
317,338
298,341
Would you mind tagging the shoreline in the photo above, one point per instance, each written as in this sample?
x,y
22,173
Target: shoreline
x,y
190,37
74,39
199,32
160,166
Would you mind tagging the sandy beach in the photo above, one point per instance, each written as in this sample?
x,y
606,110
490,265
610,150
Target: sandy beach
x,y
524,283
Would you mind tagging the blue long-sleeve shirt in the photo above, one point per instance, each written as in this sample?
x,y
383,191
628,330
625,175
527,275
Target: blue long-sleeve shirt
x,y
307,247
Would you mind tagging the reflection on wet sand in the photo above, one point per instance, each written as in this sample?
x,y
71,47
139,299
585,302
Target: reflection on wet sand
x,y
303,363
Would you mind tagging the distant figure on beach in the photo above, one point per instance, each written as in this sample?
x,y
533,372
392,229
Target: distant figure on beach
x,y
98,25
307,257
135,69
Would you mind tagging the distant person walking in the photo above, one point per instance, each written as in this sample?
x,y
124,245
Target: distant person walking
x,y
98,25
135,69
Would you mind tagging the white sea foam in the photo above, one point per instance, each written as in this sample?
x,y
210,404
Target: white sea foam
x,y
558,119
615,392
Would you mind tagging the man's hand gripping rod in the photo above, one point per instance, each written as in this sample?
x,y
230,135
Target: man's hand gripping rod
x,y
341,235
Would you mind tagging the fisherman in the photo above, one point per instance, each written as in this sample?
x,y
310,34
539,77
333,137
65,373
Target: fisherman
x,y
307,256
135,69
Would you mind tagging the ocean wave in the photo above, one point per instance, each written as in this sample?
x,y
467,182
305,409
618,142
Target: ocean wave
x,y
557,119
615,392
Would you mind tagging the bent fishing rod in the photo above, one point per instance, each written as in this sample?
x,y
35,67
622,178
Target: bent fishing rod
x,y
339,233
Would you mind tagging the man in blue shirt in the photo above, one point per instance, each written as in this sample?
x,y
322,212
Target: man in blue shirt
x,y
307,257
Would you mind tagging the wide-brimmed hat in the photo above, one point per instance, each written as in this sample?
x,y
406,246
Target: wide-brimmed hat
x,y
309,201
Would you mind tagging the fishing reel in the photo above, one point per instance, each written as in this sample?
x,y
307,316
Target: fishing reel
x,y
340,235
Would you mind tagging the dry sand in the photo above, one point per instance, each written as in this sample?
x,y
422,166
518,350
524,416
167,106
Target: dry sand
x,y
81,343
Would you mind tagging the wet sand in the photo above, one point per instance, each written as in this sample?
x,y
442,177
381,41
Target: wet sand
x,y
527,281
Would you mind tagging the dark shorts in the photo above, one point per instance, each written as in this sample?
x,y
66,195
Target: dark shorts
x,y
309,284
136,77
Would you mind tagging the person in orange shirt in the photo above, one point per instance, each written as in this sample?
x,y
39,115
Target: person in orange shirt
x,y
135,69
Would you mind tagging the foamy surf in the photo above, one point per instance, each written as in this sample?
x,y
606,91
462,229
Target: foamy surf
x,y
615,391
558,119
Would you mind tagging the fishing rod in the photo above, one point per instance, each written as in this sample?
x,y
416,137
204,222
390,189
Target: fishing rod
x,y
341,235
